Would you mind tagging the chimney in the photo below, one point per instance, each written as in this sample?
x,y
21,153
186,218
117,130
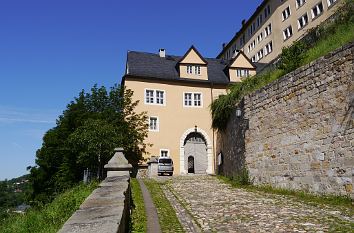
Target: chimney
x,y
243,22
162,52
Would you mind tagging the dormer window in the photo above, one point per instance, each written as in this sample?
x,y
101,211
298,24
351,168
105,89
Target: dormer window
x,y
242,73
193,69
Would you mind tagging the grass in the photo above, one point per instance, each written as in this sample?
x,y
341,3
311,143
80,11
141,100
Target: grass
x,y
345,203
167,215
138,216
51,217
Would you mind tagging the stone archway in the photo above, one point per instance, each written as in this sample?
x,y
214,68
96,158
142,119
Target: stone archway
x,y
209,152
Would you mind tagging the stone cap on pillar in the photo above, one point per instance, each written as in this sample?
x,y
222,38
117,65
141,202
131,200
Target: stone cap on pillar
x,y
118,162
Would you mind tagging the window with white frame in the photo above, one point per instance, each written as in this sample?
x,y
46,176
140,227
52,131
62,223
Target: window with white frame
x,y
268,48
242,73
331,2
189,69
194,69
253,59
164,153
192,99
149,96
302,21
260,37
154,97
286,13
317,10
299,3
260,54
268,30
153,124
288,32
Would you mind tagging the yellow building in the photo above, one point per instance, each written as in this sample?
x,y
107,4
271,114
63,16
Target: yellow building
x,y
176,93
276,24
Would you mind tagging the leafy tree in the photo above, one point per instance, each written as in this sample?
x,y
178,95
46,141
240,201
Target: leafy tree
x,y
85,135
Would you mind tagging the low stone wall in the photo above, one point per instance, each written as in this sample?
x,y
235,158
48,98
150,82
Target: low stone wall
x,y
107,209
301,129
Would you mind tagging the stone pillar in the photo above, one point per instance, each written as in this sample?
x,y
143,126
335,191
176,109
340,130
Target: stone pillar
x,y
153,165
118,165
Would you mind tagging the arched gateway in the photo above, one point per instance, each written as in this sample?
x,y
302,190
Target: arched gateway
x,y
195,152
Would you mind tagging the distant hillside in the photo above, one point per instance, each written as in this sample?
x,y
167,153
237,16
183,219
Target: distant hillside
x,y
13,193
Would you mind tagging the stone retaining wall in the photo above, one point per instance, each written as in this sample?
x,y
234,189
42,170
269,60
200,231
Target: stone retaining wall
x,y
301,129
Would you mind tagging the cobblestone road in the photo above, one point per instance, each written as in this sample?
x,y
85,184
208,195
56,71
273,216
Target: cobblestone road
x,y
214,206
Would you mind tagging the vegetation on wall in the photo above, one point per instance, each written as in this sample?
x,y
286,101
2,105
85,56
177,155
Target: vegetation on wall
x,y
85,137
320,41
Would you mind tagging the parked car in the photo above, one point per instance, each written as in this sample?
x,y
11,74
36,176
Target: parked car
x,y
165,165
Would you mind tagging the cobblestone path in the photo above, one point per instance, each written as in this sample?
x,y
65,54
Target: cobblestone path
x,y
218,207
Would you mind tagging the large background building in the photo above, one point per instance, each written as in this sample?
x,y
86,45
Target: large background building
x,y
276,24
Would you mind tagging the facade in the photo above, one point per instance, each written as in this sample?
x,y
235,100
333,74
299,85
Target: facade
x,y
176,93
276,24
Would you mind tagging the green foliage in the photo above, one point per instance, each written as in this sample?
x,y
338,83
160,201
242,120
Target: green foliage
x,y
293,56
242,178
84,137
167,215
322,40
138,216
50,217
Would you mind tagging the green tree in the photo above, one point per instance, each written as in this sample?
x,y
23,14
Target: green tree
x,y
85,136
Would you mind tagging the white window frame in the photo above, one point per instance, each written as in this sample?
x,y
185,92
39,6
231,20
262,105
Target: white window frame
x,y
189,69
317,8
242,73
268,48
302,20
300,3
285,14
168,153
157,124
192,100
267,30
331,2
155,97
286,32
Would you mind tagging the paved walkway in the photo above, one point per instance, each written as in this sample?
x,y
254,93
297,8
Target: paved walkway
x,y
153,225
217,207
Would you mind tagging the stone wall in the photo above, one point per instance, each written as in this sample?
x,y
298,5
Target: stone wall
x,y
301,129
107,209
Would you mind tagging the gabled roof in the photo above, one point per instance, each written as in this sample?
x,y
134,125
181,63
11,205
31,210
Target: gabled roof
x,y
152,66
241,53
188,52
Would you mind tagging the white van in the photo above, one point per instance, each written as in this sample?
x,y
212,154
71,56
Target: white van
x,y
165,165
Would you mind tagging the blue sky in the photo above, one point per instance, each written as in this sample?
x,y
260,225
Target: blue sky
x,y
50,50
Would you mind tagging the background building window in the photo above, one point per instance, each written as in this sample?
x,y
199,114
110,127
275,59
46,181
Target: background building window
x,y
302,21
299,3
288,32
331,2
286,13
153,124
268,30
268,48
317,10
189,69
